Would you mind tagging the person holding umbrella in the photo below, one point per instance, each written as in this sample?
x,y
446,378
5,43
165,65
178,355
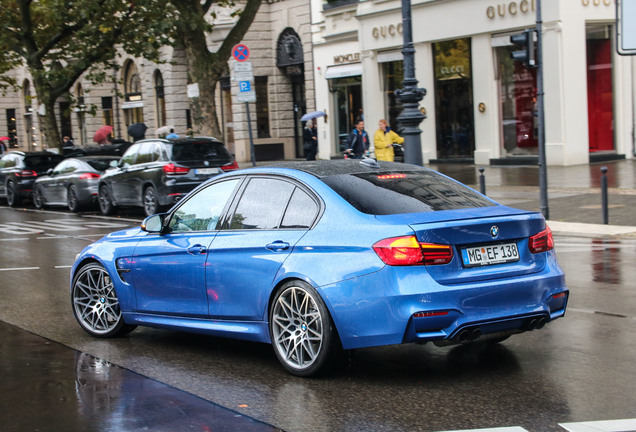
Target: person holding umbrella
x,y
310,140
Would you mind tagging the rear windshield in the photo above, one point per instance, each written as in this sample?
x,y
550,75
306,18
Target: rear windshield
x,y
400,192
99,164
192,152
42,162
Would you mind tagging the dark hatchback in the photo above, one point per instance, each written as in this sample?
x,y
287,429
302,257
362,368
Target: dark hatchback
x,y
72,183
19,170
156,173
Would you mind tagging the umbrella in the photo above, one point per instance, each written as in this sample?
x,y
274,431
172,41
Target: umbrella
x,y
102,133
312,115
5,138
137,130
163,130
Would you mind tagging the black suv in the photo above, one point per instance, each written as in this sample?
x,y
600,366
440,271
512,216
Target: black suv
x,y
156,173
18,171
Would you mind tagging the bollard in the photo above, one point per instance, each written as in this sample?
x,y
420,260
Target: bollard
x,y
604,204
482,181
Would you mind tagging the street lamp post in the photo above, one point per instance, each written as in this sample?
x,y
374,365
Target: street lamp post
x,y
410,94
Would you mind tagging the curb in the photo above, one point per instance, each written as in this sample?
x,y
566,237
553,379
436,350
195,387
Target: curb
x,y
576,229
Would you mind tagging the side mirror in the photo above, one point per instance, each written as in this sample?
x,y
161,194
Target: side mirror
x,y
49,171
113,164
154,223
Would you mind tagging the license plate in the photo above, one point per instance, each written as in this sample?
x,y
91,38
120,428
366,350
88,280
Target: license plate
x,y
488,255
206,171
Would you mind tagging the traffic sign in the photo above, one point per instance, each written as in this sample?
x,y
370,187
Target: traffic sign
x,y
243,72
245,86
240,53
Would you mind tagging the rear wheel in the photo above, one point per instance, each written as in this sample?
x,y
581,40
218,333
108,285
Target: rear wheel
x,y
13,198
151,206
301,330
106,205
95,303
72,202
38,198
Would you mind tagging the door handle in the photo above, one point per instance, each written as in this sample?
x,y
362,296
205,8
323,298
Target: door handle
x,y
196,249
278,246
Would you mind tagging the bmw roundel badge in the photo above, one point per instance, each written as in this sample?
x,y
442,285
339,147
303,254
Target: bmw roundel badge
x,y
494,231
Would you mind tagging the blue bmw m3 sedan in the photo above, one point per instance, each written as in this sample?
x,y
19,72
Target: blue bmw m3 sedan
x,y
319,257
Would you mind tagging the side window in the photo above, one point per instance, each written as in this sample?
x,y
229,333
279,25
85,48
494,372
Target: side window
x,y
262,204
145,153
202,211
10,161
301,211
130,156
61,168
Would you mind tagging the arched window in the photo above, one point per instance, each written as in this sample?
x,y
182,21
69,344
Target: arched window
x,y
133,93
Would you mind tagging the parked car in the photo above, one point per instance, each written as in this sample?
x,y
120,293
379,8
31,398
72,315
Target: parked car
x,y
324,256
72,183
156,173
18,171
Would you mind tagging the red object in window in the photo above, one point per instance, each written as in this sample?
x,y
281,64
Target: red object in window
x,y
600,98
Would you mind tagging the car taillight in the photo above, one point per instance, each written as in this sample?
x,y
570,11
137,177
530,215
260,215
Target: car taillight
x,y
541,242
173,169
233,166
88,176
406,251
26,173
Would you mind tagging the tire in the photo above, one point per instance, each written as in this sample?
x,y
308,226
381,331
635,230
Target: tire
x,y
72,201
38,198
95,303
13,198
301,330
106,205
150,203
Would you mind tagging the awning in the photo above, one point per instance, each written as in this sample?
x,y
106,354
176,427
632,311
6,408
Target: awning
x,y
343,71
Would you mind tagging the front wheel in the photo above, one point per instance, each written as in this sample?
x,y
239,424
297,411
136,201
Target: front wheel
x,y
301,330
95,303
13,198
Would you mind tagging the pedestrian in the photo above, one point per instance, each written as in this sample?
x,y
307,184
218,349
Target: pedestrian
x,y
310,140
358,142
67,141
172,134
383,142
3,147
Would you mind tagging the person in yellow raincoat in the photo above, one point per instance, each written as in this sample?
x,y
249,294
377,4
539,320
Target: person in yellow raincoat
x,y
383,142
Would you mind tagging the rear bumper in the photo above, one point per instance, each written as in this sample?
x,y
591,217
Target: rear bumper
x,y
409,306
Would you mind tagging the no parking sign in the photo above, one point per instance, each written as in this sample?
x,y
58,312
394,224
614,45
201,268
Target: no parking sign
x,y
240,53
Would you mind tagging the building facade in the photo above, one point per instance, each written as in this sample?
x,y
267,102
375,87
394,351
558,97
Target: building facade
x,y
480,105
159,95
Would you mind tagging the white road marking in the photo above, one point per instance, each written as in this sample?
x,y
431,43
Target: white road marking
x,y
500,429
19,268
625,425
63,267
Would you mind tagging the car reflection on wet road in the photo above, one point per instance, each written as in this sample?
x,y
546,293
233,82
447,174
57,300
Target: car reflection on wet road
x,y
579,369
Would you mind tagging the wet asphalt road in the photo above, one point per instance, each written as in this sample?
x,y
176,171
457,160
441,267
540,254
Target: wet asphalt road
x,y
580,368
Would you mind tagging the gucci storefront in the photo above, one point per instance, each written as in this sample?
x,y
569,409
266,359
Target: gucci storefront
x,y
480,105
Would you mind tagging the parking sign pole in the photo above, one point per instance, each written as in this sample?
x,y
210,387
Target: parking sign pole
x,y
249,128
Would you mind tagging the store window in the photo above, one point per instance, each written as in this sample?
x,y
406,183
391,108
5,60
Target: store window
x,y
393,73
518,100
454,99
600,95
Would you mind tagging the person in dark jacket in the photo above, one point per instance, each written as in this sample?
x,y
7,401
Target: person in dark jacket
x,y
310,140
358,143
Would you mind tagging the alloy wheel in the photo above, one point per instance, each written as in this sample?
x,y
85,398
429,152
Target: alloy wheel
x,y
95,303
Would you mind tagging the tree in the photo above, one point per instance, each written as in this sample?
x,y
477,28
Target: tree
x,y
59,41
206,68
